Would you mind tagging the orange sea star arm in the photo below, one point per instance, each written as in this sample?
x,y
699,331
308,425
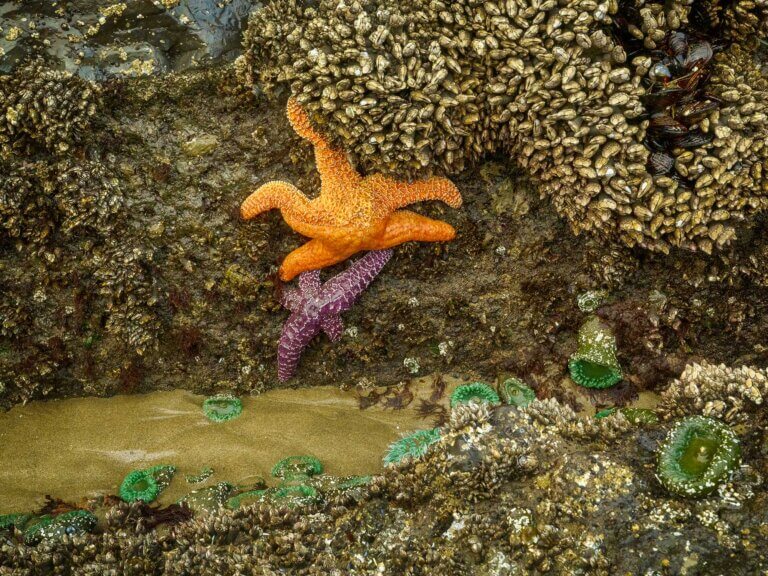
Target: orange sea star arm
x,y
311,256
336,173
407,226
396,194
281,195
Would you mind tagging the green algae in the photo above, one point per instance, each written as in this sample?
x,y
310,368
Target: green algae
x,y
474,392
697,456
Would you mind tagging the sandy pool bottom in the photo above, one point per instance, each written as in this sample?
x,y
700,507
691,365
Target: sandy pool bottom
x,y
77,448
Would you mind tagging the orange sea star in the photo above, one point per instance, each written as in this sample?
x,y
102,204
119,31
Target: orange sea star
x,y
352,212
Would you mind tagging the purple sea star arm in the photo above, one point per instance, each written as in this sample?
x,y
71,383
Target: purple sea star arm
x,y
291,299
340,292
333,326
298,331
309,283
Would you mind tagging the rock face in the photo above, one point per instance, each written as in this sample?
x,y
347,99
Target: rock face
x,y
123,38
568,90
505,491
124,266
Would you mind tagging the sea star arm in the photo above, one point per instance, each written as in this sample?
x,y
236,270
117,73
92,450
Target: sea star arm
x,y
291,299
406,226
396,194
311,256
333,326
298,331
335,171
309,283
282,195
341,292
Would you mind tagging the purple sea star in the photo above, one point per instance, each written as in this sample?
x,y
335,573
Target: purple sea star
x,y
315,307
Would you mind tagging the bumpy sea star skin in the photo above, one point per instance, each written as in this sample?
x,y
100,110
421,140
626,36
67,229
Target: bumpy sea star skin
x,y
317,306
352,213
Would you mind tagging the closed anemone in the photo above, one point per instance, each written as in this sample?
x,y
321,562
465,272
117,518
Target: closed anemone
x,y
697,456
595,365
413,446
475,392
222,407
74,522
294,466
516,393
295,495
640,415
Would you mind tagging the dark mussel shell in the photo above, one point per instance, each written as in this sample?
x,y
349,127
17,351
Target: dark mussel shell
x,y
693,139
677,43
660,163
693,111
699,54
665,125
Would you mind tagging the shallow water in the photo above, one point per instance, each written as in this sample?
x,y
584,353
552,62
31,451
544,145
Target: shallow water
x,y
83,447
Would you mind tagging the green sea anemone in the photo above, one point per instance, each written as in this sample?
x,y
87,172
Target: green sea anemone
x,y
49,527
595,365
591,300
222,407
516,393
474,392
208,499
205,473
698,454
294,495
413,446
245,498
295,466
146,485
640,415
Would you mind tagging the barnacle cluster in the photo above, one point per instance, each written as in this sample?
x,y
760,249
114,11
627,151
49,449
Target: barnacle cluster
x,y
734,395
407,88
44,108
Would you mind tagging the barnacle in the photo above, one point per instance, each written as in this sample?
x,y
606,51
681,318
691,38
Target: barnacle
x,y
474,392
297,466
50,527
222,407
516,392
411,447
591,300
146,485
698,454
594,364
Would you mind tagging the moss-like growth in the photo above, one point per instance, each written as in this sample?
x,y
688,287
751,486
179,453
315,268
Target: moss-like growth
x,y
49,527
413,446
474,392
595,365
146,485
516,393
297,466
222,407
697,456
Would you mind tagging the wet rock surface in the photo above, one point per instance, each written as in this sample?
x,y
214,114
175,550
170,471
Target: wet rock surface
x,y
137,37
166,287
